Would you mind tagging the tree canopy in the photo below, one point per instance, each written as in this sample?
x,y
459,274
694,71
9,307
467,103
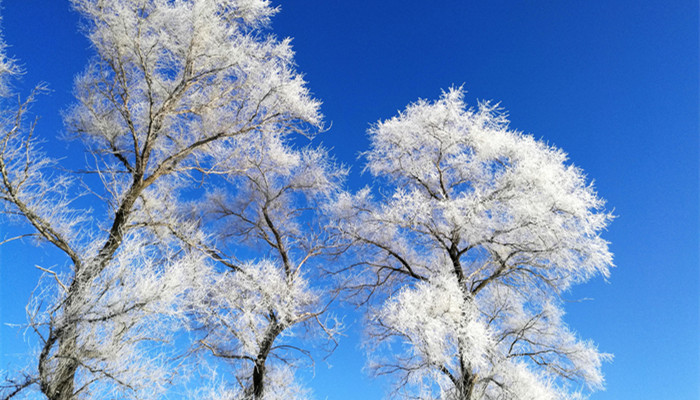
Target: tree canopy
x,y
476,232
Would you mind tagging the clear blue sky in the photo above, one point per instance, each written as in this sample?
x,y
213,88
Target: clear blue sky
x,y
614,83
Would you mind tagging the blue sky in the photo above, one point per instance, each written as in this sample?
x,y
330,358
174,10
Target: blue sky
x,y
614,83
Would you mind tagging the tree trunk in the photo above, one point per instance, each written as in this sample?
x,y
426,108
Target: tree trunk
x,y
465,386
57,372
468,383
258,386
258,378
64,377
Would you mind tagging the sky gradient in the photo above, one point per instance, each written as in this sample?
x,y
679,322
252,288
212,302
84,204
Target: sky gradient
x,y
613,83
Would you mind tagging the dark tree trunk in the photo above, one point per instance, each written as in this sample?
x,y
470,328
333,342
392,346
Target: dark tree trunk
x,y
57,372
64,381
465,385
258,378
258,384
468,383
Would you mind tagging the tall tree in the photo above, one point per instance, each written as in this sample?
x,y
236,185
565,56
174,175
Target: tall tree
x,y
251,316
477,232
171,83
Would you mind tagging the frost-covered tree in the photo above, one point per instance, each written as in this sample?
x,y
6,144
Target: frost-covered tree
x,y
251,315
171,86
477,232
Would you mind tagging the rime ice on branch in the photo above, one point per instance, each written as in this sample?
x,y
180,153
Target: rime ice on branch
x,y
477,231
